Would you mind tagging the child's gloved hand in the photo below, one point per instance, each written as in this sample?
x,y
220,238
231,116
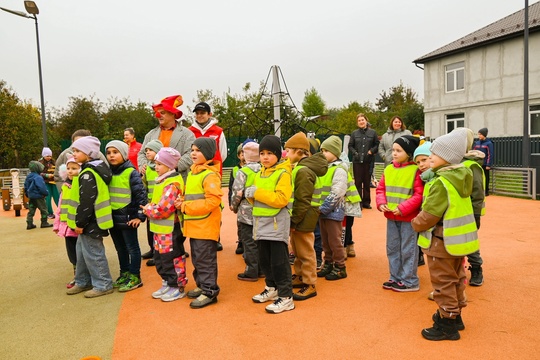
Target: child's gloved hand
x,y
250,191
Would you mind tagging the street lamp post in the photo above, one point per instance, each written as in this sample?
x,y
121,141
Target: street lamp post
x,y
33,11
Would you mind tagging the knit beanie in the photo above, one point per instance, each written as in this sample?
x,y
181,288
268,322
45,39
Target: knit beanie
x,y
409,143
169,157
251,152
239,149
121,146
450,147
35,166
333,144
88,145
207,146
314,145
469,134
298,141
271,143
154,145
71,159
422,150
46,152
483,131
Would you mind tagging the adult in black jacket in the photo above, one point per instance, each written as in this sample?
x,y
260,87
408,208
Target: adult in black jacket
x,y
363,146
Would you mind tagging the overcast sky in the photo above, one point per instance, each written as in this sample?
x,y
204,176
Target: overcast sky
x,y
349,50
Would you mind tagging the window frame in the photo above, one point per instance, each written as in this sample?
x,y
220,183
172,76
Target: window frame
x,y
454,69
457,119
534,110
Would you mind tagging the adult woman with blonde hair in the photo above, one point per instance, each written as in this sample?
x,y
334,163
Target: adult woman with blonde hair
x,y
396,129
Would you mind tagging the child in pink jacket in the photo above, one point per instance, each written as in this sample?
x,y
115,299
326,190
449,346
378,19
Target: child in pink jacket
x,y
60,226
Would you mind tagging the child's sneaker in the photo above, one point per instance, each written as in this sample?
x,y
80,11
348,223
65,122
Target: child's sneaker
x,y
195,293
292,257
401,287
389,285
122,279
161,291
97,293
297,282
173,294
280,305
202,301
337,273
268,294
133,283
306,292
319,263
70,284
326,269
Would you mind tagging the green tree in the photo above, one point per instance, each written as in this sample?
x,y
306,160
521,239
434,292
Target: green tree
x,y
121,114
313,103
402,101
20,130
81,113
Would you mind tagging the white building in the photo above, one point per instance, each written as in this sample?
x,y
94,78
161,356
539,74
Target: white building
x,y
477,81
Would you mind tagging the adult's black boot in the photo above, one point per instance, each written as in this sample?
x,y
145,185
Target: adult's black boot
x,y
442,329
30,225
477,276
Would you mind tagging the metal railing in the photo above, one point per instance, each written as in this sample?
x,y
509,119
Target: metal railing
x,y
519,182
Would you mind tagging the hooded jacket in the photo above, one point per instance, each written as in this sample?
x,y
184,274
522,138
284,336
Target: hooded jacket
x,y
215,132
436,203
239,203
34,186
478,193
485,146
209,227
305,216
88,192
138,197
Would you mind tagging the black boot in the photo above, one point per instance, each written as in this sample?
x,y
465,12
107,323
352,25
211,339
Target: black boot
x,y
30,225
239,248
442,329
326,269
477,277
459,321
45,224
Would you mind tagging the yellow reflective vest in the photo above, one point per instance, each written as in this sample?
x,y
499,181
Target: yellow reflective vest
x,y
472,163
459,228
120,189
102,204
66,202
165,226
269,183
399,184
151,176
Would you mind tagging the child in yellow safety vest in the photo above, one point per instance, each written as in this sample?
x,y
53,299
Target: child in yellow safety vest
x,y
127,196
169,253
270,195
234,171
447,233
399,197
90,215
201,208
149,181
67,172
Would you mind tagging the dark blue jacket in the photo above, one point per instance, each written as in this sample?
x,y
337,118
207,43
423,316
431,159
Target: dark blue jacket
x,y
138,197
34,186
485,146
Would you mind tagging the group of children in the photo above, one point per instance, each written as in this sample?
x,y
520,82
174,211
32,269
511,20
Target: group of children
x,y
425,194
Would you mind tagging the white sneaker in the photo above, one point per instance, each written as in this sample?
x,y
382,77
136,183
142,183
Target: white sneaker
x,y
162,290
268,294
173,294
281,304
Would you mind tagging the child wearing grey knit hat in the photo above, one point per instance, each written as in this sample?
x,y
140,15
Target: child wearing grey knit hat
x,y
448,232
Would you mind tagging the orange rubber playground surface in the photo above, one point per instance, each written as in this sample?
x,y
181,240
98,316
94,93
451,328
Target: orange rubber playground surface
x,y
352,318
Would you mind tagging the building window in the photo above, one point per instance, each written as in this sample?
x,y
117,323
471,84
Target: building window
x,y
454,121
534,115
455,77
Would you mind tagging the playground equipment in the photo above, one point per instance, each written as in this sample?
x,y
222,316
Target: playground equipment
x,y
14,195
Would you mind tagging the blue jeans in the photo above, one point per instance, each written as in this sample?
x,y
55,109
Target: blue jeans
x,y
126,242
402,252
92,266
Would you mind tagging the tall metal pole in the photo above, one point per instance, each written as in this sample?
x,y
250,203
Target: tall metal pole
x,y
526,139
43,120
276,93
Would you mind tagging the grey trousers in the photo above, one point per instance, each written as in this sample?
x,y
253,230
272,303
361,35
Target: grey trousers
x,y
204,259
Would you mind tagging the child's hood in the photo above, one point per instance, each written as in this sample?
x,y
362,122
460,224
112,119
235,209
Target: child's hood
x,y
317,163
460,177
36,167
211,122
209,165
282,164
118,169
475,155
101,168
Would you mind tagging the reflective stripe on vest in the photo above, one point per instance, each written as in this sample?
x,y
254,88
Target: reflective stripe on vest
x,y
66,202
102,204
151,176
469,164
165,226
195,191
326,184
459,228
269,183
352,194
120,190
399,184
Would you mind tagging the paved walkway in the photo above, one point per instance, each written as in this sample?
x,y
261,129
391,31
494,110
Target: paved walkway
x,y
353,318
